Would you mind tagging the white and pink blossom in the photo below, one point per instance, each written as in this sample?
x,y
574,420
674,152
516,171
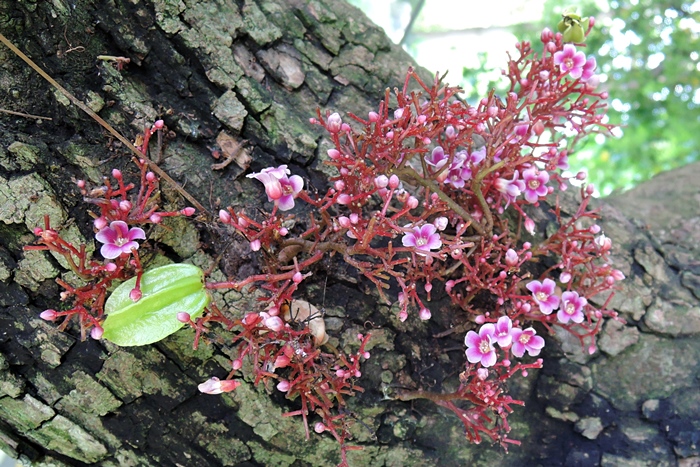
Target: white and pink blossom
x,y
571,308
279,188
526,340
570,61
119,239
535,184
543,293
423,238
480,347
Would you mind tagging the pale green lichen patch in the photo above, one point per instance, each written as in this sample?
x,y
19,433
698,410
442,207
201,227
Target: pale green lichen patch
x,y
129,374
213,29
284,17
64,436
167,15
47,341
26,199
229,110
79,155
263,455
257,26
26,155
253,95
90,396
179,234
24,414
283,126
10,385
217,439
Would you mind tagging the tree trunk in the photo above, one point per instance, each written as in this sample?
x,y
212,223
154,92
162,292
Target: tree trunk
x,y
258,70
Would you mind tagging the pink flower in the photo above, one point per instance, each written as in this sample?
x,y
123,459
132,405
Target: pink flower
x,y
480,346
423,238
526,340
216,386
503,330
437,158
535,183
588,69
543,293
570,61
273,323
278,187
571,307
511,188
118,238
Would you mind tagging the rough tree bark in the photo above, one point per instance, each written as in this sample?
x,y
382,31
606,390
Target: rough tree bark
x,y
258,70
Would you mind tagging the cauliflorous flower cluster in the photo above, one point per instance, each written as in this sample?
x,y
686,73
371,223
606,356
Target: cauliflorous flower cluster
x,y
428,191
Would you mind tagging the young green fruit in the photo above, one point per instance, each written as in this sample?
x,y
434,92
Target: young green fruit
x,y
166,291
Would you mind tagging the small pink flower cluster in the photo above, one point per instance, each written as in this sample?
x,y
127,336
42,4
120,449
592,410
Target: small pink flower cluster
x,y
480,346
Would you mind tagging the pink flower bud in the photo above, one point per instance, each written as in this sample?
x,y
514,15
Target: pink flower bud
x,y
155,218
110,267
389,135
96,332
187,211
366,355
412,202
297,277
255,245
37,231
251,319
354,218
424,314
538,127
224,216
581,175
333,154
116,173
237,364
135,295
159,124
373,117
282,361
449,285
344,222
394,182
403,316
48,315
617,275
344,198
511,257
421,119
320,427
590,189
345,127
339,185
313,121
283,231
334,123
482,374
274,323
183,317
530,226
381,181
100,223
565,277
428,287
243,222
80,183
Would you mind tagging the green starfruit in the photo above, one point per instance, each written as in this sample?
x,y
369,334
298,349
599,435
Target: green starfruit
x,y
166,291
571,26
